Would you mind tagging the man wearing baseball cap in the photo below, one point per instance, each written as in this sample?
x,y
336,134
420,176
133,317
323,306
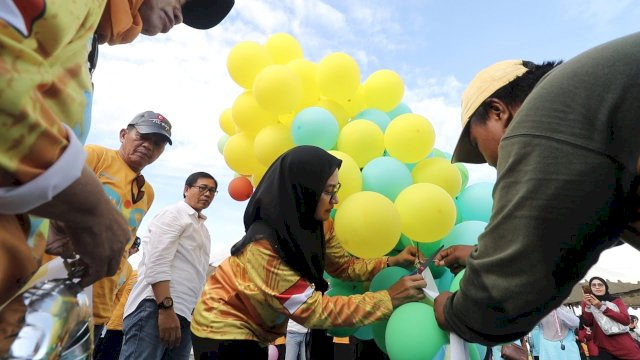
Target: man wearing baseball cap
x,y
120,173
567,161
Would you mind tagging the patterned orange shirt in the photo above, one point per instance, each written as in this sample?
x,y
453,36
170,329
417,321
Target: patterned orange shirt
x,y
252,295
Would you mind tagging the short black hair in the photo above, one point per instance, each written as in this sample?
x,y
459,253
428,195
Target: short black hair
x,y
515,92
193,178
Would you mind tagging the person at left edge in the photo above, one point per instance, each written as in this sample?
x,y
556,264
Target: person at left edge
x,y
171,276
120,173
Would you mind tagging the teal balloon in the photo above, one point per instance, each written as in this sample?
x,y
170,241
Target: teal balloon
x,y
436,271
364,333
315,126
481,350
222,141
410,166
345,288
405,241
440,355
387,277
413,334
379,332
439,153
332,214
473,352
387,176
464,173
475,202
464,233
455,284
444,282
376,116
343,291
402,108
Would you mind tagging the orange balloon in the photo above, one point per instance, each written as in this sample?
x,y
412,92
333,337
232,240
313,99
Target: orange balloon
x,y
240,188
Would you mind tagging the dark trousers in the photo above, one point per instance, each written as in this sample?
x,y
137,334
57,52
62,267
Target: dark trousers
x,y
109,346
211,349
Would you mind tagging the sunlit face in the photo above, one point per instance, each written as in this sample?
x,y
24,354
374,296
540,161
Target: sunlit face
x,y
159,16
200,194
486,137
598,287
139,150
328,198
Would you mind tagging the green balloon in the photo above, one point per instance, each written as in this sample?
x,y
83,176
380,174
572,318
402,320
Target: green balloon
x,y
387,277
364,332
473,351
379,329
455,284
413,334
464,173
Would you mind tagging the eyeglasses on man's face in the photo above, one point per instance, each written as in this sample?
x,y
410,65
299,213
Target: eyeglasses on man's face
x,y
204,188
333,192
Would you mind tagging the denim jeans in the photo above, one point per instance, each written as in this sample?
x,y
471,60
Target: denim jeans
x,y
142,337
296,349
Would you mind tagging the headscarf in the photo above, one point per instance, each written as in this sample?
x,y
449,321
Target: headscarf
x,y
606,296
120,22
284,204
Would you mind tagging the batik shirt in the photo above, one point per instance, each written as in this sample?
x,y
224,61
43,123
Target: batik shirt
x,y
252,295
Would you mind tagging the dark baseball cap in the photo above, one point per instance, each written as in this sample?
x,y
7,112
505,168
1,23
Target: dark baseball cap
x,y
205,14
150,122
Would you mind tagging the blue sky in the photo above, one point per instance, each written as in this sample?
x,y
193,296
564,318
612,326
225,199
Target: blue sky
x,y
435,46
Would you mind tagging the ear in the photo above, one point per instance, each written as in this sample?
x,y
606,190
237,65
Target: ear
x,y
184,192
123,133
500,112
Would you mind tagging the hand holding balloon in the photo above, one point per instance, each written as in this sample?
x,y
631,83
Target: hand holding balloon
x,y
454,257
407,289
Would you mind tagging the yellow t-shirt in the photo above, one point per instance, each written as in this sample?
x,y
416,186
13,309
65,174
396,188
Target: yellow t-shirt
x,y
44,83
115,323
117,179
252,295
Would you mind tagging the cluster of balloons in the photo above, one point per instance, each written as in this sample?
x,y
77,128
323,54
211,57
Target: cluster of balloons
x,y
397,189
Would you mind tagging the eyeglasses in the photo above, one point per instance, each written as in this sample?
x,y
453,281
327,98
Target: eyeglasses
x,y
204,188
597,285
332,194
139,182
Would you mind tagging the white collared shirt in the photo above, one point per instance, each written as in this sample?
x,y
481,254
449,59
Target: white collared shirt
x,y
176,249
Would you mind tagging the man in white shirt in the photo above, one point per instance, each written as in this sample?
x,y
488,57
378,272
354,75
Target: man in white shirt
x,y
171,276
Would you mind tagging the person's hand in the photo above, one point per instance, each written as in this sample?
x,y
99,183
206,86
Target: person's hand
x,y
58,242
592,300
169,327
94,227
406,258
454,257
407,289
438,309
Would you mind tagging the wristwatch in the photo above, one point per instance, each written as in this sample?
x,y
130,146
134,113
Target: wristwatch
x,y
166,303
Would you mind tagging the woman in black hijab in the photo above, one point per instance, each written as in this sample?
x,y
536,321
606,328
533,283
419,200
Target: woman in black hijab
x,y
612,346
276,270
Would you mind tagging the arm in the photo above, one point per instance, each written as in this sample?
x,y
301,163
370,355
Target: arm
x,y
294,297
531,253
568,317
164,236
621,317
341,264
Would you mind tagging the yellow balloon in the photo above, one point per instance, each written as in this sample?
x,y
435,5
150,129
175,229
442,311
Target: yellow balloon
x,y
249,116
383,90
409,138
256,177
226,122
307,72
271,142
239,155
355,104
286,119
283,48
245,61
362,140
277,89
367,225
428,212
349,175
338,76
438,171
336,109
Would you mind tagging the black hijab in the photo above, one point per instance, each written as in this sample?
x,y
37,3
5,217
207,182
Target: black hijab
x,y
283,207
606,296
